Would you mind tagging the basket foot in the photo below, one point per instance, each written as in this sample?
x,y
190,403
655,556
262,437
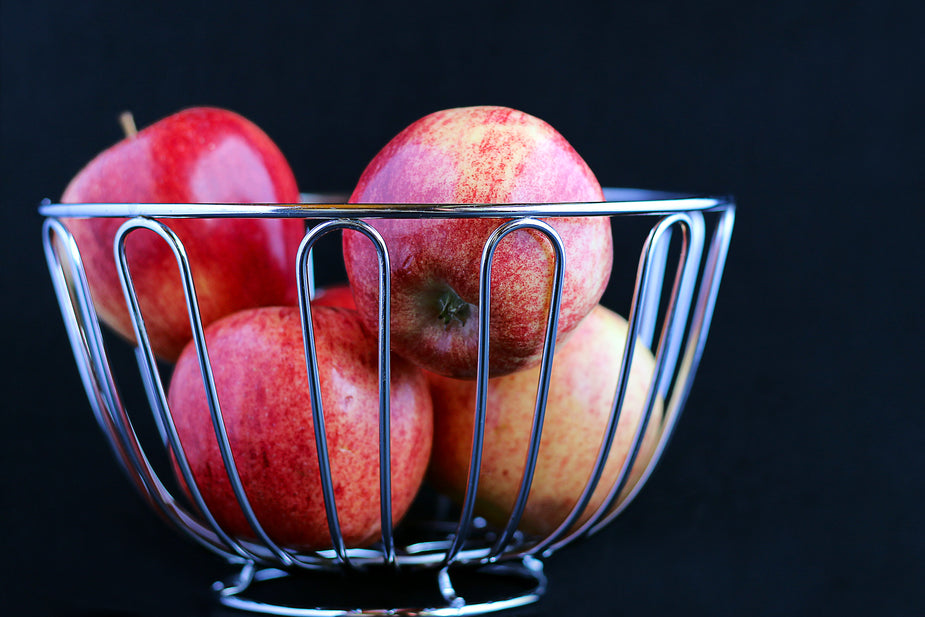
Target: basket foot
x,y
460,590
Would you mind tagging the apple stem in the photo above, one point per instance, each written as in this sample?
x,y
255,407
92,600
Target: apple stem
x,y
452,307
127,120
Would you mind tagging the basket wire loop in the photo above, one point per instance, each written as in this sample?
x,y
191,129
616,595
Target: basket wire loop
x,y
82,325
648,305
465,521
666,353
527,567
149,368
699,328
546,364
547,545
238,582
385,483
651,270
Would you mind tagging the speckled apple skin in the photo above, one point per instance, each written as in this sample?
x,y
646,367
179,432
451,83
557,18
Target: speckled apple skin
x,y
581,392
198,155
258,362
477,155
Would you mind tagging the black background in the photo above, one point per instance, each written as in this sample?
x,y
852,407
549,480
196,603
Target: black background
x,y
794,483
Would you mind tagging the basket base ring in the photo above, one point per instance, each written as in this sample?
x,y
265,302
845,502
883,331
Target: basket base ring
x,y
514,584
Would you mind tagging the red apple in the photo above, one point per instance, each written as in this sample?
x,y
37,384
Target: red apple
x,y
260,374
335,295
198,155
581,393
477,155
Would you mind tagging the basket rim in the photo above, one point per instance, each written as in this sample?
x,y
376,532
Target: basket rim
x,y
618,201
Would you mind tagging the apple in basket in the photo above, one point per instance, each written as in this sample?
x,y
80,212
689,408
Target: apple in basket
x,y
477,155
258,360
581,394
338,294
198,155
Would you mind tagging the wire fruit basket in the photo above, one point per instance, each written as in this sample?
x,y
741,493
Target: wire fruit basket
x,y
677,279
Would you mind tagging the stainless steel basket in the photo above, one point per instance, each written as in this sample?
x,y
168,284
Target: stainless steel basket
x,y
670,312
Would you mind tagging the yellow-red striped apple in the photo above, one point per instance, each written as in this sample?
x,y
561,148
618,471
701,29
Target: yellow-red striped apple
x,y
477,155
581,394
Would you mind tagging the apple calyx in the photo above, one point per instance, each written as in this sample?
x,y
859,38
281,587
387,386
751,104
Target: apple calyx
x,y
453,308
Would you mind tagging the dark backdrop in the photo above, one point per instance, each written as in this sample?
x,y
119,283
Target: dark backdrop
x,y
794,483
